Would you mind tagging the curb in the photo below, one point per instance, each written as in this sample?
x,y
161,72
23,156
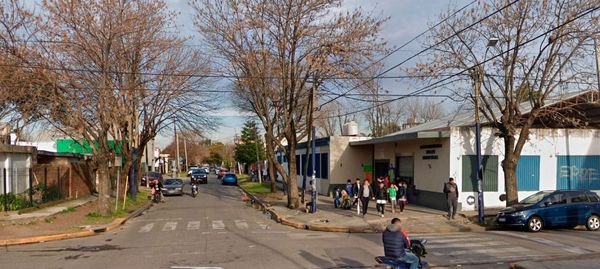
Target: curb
x,y
62,236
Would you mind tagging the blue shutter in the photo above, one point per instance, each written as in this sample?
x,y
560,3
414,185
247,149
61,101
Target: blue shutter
x,y
528,173
578,172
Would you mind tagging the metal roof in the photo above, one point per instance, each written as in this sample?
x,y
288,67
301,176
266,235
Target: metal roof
x,y
441,127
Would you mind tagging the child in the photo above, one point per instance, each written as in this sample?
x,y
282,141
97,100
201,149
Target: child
x,y
401,195
392,190
336,197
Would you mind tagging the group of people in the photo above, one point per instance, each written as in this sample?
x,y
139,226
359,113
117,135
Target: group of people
x,y
360,193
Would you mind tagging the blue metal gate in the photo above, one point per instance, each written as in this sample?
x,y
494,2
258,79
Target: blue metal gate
x,y
578,172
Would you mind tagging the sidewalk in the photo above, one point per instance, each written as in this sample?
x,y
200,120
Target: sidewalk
x,y
47,211
415,219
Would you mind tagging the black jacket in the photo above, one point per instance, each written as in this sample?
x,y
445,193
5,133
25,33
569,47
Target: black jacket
x,y
381,193
447,187
362,188
394,242
355,189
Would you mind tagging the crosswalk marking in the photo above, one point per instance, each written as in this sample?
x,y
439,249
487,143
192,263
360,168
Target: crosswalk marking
x,y
193,225
169,226
262,225
146,228
218,225
452,240
467,245
481,251
241,224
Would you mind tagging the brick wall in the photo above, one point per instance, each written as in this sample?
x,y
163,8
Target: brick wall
x,y
71,179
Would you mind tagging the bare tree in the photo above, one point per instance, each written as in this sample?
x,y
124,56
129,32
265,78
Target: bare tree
x,y
540,49
422,110
279,53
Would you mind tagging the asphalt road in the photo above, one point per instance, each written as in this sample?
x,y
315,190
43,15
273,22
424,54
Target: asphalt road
x,y
215,230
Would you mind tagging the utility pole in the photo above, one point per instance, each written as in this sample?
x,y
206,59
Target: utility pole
x,y
176,148
258,162
314,178
597,51
185,153
479,74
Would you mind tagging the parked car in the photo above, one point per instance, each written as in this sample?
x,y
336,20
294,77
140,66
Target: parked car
x,y
221,173
149,176
199,175
173,186
229,178
546,209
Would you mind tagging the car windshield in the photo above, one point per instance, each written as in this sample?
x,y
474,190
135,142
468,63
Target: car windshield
x,y
230,175
198,172
173,181
536,197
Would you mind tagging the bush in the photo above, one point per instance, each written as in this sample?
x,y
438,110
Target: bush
x,y
13,202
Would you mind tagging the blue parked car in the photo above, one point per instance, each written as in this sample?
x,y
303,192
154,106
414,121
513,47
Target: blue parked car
x,y
229,178
546,209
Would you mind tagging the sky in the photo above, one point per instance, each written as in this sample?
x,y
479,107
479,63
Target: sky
x,y
407,18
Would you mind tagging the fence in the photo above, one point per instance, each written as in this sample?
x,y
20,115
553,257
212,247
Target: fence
x,y
15,191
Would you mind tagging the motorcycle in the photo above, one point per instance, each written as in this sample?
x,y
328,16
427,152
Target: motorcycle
x,y
194,190
417,247
156,195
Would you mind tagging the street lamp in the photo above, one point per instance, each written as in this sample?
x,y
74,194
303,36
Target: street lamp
x,y
492,41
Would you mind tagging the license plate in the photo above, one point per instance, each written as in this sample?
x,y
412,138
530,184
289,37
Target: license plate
x,y
501,219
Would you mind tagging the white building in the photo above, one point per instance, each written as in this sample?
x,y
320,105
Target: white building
x,y
427,155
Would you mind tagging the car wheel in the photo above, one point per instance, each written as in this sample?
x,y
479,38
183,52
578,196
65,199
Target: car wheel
x,y
535,224
593,223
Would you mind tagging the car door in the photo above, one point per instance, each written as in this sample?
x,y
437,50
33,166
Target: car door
x,y
578,208
553,209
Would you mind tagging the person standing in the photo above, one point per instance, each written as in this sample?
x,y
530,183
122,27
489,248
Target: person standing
x,y
401,195
381,195
451,191
356,187
349,187
392,191
365,194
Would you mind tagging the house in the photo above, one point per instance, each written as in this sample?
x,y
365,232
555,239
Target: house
x,y
335,162
556,156
15,166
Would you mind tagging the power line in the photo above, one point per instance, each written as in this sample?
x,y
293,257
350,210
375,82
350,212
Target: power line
x,y
428,87
423,50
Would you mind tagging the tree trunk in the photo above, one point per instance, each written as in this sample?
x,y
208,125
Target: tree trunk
x,y
292,183
509,166
103,203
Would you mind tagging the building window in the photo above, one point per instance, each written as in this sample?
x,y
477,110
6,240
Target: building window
x,y
298,165
469,173
318,165
324,166
528,173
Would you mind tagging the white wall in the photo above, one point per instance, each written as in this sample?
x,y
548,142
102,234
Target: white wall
x,y
429,175
546,143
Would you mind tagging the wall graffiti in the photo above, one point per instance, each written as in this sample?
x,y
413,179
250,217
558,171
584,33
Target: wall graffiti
x,y
578,172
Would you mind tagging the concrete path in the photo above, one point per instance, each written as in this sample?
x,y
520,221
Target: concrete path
x,y
48,211
415,219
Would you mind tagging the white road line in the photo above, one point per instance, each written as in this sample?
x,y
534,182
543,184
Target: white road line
x,y
262,225
435,241
193,225
496,259
481,251
157,219
467,245
241,224
169,226
218,225
146,228
194,267
442,236
546,242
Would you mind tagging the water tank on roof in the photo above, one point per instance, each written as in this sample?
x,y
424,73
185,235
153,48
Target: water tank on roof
x,y
350,129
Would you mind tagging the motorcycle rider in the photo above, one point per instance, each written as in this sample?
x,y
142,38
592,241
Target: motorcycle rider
x,y
194,183
397,245
156,186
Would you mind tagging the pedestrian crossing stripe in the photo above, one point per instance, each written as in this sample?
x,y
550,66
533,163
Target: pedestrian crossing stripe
x,y
193,225
169,226
465,245
146,228
241,224
480,251
217,225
